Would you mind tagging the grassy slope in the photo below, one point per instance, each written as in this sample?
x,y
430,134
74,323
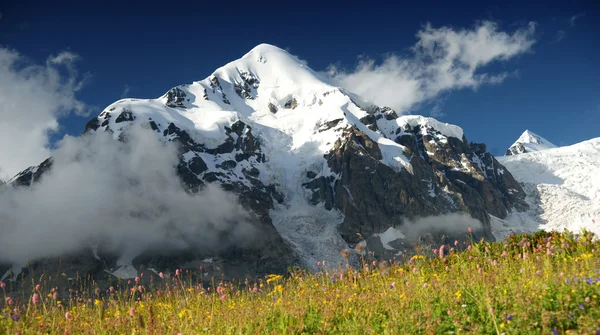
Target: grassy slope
x,y
529,284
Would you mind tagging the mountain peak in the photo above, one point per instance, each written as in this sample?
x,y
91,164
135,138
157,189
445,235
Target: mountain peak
x,y
529,142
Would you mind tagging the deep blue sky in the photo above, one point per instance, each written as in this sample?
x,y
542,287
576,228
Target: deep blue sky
x,y
153,47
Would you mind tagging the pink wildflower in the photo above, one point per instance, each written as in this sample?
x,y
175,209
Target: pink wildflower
x,y
2,285
223,297
137,279
469,247
161,275
455,243
9,301
68,316
35,298
132,311
442,251
470,229
38,287
177,272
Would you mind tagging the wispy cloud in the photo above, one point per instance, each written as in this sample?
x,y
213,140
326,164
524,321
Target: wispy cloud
x,y
126,91
575,17
32,99
560,35
442,60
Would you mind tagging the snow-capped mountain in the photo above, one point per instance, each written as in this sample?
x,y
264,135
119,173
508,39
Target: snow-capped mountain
x,y
529,142
562,186
320,168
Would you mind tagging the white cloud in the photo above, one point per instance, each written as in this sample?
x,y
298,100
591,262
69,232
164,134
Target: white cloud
x,y
125,93
560,35
575,17
124,197
32,99
443,59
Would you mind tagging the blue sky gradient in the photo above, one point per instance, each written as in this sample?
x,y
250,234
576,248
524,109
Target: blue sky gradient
x,y
142,49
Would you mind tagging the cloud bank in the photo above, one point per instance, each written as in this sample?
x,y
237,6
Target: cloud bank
x,y
32,99
124,197
443,59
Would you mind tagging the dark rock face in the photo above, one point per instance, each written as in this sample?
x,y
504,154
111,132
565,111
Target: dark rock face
x,y
292,103
515,150
175,98
32,174
247,88
447,175
126,115
272,108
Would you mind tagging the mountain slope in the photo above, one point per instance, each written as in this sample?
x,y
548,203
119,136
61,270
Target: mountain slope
x,y
529,142
562,186
320,168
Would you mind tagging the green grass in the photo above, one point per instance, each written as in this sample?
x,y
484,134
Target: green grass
x,y
528,284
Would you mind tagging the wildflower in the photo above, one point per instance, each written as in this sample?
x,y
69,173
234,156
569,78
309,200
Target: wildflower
x,y
177,272
458,294
137,279
360,247
587,300
132,311
495,263
2,285
425,285
491,311
35,298
469,247
509,317
16,318
470,230
318,263
68,316
455,243
346,253
392,285
442,251
223,297
581,306
97,302
161,275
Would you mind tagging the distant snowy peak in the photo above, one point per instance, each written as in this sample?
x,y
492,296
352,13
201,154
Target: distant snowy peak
x,y
529,142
